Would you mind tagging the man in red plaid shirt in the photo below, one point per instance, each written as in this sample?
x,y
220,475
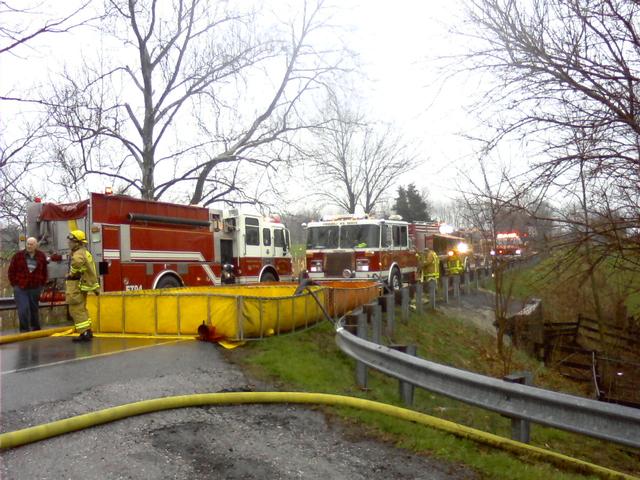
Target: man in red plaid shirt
x,y
27,275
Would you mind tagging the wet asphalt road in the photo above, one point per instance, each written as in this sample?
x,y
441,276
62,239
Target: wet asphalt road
x,y
52,378
54,368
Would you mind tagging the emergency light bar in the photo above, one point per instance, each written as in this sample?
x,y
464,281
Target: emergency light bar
x,y
343,216
445,229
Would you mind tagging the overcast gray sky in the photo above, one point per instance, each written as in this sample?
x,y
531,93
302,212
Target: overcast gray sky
x,y
397,42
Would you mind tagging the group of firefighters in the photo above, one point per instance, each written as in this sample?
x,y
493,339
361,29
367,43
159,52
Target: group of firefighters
x,y
429,265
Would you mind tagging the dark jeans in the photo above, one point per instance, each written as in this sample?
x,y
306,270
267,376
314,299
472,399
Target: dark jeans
x,y
27,303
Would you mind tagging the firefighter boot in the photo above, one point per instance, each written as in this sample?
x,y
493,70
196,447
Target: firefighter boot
x,y
85,336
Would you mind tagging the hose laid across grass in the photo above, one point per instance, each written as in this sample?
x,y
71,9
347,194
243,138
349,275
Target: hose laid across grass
x,y
60,427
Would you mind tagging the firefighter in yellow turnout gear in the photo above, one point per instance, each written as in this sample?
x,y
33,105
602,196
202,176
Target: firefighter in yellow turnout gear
x,y
429,272
454,265
430,266
81,280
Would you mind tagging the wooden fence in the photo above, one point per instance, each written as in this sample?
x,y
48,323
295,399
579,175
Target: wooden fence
x,y
609,360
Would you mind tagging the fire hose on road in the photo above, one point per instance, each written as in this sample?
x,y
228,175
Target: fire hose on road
x,y
18,337
41,432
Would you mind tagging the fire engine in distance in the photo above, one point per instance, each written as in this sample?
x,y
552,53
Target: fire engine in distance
x,y
508,244
350,246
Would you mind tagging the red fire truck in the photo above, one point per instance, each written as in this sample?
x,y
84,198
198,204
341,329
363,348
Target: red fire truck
x,y
350,246
509,244
444,240
141,244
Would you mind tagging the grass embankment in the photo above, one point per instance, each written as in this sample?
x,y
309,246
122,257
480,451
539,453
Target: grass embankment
x,y
310,361
566,282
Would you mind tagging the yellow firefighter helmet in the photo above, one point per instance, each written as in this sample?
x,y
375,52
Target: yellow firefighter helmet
x,y
77,235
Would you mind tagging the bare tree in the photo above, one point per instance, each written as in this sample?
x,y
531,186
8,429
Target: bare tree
x,y
568,70
446,211
199,98
486,203
295,220
21,23
19,160
356,163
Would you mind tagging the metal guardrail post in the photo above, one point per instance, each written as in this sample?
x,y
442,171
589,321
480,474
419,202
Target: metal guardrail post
x,y
445,288
388,309
432,284
520,428
374,317
467,283
419,306
404,304
361,367
406,389
456,287
356,323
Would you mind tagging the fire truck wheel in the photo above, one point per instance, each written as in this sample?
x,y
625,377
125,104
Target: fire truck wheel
x,y
168,281
268,277
394,281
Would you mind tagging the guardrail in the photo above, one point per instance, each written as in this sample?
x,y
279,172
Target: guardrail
x,y
606,421
9,303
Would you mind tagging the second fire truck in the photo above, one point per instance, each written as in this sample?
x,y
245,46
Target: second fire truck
x,y
349,246
142,244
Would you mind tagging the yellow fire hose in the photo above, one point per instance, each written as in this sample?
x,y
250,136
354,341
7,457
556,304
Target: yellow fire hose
x,y
60,427
31,335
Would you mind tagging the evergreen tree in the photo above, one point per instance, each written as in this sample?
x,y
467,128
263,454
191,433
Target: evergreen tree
x,y
401,205
411,205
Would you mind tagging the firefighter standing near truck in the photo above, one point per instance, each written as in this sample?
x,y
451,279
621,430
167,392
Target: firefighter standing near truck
x,y
81,280
454,265
430,273
430,266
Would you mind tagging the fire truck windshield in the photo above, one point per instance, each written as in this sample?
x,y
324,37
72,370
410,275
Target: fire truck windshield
x,y
360,236
343,236
508,241
322,237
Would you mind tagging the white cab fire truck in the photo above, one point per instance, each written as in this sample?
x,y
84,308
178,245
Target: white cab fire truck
x,y
142,244
349,246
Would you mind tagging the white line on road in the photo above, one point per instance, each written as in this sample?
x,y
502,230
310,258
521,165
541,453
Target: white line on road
x,y
71,360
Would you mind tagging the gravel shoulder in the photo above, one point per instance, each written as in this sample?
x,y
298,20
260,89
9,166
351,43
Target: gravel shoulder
x,y
230,442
